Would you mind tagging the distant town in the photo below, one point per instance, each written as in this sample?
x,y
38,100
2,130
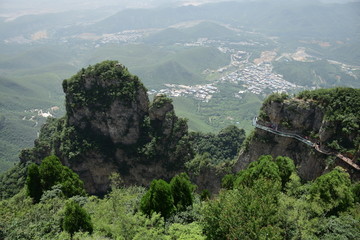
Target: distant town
x,y
255,77
199,92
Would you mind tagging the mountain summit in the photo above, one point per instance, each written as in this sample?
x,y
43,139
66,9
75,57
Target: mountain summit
x,y
111,126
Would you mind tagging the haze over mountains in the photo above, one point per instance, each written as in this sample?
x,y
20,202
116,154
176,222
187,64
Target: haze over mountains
x,y
180,119
218,60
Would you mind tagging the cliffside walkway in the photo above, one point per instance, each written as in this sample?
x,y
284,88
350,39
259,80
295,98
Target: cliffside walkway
x,y
307,142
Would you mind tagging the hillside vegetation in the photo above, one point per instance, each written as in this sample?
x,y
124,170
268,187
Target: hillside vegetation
x,y
266,200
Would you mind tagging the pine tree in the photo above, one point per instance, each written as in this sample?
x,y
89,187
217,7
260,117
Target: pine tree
x,y
33,183
76,219
158,199
182,191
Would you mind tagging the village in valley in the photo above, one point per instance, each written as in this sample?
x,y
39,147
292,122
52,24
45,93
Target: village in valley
x,y
256,77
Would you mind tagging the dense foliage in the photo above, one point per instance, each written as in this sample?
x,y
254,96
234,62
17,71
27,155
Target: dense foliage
x,y
158,199
276,97
244,213
76,219
258,207
166,198
12,181
342,111
33,183
266,201
217,148
50,173
56,135
182,191
113,81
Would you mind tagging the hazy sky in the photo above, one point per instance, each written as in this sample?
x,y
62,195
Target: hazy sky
x,y
21,7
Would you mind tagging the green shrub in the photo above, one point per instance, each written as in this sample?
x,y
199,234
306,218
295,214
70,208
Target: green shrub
x,y
332,191
158,199
33,183
50,173
76,219
182,191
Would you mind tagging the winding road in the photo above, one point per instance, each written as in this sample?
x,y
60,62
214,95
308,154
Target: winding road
x,y
307,142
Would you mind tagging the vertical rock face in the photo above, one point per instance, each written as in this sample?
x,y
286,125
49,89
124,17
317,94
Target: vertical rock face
x,y
310,164
294,115
111,126
306,118
107,101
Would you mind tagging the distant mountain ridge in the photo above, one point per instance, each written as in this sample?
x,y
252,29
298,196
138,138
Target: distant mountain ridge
x,y
275,18
293,20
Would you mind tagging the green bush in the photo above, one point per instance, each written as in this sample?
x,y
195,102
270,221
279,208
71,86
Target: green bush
x,y
244,213
50,173
227,181
33,183
158,199
332,191
76,219
182,191
263,168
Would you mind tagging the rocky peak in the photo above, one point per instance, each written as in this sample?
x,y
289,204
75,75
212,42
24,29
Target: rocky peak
x,y
110,126
107,100
329,118
160,107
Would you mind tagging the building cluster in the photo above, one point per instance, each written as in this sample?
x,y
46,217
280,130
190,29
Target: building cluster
x,y
35,115
200,92
255,78
124,36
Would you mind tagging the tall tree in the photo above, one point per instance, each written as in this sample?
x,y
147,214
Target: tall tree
x,y
33,183
182,191
76,219
50,171
71,184
158,199
286,168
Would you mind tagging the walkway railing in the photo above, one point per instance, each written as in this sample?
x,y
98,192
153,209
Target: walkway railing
x,y
307,142
284,134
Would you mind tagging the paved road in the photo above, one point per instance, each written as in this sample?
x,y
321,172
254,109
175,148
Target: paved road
x,y
307,142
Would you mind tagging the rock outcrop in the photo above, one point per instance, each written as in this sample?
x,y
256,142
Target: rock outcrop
x,y
307,118
111,126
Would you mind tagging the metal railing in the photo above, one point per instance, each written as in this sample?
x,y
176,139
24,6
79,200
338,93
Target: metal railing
x,y
307,142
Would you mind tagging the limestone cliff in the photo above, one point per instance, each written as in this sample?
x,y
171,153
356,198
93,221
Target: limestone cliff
x,y
111,126
312,116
